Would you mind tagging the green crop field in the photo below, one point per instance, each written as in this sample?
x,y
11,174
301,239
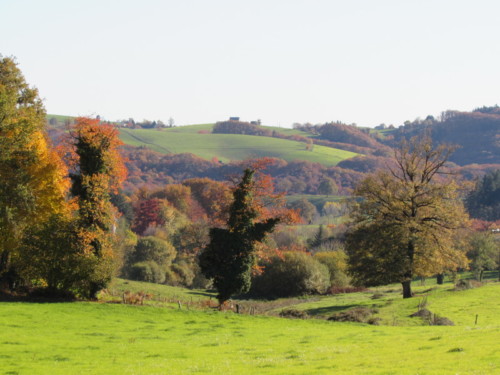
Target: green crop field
x,y
227,147
112,338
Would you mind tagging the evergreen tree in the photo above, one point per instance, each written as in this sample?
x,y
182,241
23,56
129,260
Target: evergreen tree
x,y
229,257
484,201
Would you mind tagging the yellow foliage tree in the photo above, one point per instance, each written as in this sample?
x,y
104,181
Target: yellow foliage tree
x,y
33,179
407,219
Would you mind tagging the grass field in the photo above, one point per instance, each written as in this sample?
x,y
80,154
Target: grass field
x,y
227,147
107,338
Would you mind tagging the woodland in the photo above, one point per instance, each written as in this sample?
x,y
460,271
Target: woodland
x,y
78,207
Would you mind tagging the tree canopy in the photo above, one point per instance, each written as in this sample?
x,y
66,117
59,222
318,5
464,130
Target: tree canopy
x,y
484,201
33,180
405,221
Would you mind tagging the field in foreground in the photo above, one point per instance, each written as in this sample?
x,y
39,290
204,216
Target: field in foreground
x,y
99,338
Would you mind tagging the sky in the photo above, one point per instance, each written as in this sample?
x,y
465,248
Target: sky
x,y
282,61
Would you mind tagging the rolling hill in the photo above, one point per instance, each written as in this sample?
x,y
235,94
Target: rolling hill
x,y
228,147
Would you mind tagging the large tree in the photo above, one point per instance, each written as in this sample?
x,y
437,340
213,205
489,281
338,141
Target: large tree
x,y
32,176
98,171
229,257
406,218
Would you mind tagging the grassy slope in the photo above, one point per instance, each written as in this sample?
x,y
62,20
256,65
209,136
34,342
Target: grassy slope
x,y
96,338
459,306
228,147
116,339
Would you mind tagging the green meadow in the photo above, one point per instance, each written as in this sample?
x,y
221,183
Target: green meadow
x,y
227,147
160,338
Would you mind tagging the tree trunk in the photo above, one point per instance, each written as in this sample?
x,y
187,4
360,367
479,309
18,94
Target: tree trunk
x,y
4,268
481,275
407,289
440,278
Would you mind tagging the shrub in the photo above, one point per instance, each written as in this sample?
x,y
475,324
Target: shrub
x,y
185,273
148,271
153,249
336,261
467,284
441,321
422,313
294,274
359,315
294,314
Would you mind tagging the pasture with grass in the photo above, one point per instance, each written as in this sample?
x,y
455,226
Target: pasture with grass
x,y
227,147
158,338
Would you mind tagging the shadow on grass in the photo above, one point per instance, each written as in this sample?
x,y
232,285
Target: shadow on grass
x,y
13,298
205,294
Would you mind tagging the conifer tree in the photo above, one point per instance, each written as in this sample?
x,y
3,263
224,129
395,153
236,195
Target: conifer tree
x,y
229,257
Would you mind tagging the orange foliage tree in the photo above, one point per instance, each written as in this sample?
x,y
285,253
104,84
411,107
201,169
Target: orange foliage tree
x,y
98,169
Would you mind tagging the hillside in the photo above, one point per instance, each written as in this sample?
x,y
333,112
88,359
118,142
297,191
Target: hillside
x,y
476,134
229,147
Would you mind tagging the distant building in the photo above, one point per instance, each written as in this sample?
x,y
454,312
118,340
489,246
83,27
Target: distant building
x,y
234,119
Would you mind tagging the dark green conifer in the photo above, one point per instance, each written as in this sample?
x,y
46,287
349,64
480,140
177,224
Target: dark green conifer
x,y
229,257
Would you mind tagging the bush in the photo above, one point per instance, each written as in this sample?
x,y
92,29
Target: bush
x,y
294,314
153,249
359,315
467,284
292,275
336,261
148,271
185,273
441,321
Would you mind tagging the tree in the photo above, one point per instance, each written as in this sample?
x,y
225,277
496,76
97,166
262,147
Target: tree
x,y
99,170
32,177
484,201
483,253
230,255
327,186
154,249
405,223
306,209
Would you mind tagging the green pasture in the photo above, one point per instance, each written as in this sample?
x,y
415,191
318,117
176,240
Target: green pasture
x,y
461,307
227,147
108,337
189,128
93,338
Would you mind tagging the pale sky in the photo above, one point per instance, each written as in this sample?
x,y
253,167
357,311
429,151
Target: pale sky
x,y
282,61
